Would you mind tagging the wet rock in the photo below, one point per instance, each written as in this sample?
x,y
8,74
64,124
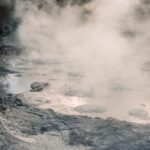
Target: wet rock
x,y
14,101
49,127
18,102
3,107
38,86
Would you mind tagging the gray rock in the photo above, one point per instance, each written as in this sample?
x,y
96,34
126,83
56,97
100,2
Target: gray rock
x,y
93,133
38,86
3,107
18,102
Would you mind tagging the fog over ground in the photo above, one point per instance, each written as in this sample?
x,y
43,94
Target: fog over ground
x,y
74,74
104,42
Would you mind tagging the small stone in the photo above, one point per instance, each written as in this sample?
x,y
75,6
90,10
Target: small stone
x,y
43,129
38,86
18,102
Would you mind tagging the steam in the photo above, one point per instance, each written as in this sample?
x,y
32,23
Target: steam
x,y
87,39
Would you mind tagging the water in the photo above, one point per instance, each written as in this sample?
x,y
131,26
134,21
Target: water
x,y
61,96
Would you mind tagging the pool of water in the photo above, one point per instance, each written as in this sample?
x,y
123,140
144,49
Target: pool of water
x,y
66,95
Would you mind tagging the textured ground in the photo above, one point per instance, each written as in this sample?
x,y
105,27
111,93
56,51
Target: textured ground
x,y
25,127
21,123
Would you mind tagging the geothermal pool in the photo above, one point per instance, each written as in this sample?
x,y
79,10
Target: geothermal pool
x,y
94,57
67,95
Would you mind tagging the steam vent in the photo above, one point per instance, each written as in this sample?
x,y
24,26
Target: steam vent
x,y
74,75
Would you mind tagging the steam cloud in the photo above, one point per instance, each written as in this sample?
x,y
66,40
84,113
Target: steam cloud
x,y
102,40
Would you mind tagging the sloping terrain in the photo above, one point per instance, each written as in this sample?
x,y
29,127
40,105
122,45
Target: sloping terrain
x,y
21,123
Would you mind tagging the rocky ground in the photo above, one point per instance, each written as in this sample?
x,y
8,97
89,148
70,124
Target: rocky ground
x,y
25,127
20,123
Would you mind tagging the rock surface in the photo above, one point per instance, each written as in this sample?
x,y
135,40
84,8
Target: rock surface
x,y
93,133
38,86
